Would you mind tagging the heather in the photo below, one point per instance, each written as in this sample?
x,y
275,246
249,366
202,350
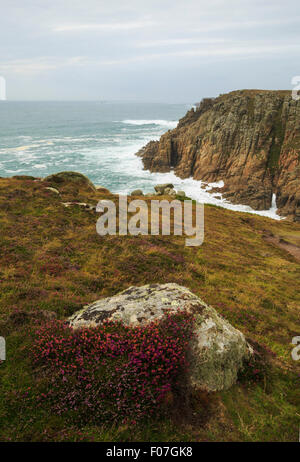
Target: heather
x,y
111,373
52,263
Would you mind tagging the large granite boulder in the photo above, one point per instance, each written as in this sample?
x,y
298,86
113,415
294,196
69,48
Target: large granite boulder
x,y
217,350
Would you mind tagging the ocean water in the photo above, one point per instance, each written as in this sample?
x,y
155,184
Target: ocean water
x,y
98,139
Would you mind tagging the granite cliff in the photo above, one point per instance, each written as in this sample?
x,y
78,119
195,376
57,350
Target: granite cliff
x,y
250,139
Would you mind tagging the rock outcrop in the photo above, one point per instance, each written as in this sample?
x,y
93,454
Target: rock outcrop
x,y
161,188
69,178
250,139
137,192
217,349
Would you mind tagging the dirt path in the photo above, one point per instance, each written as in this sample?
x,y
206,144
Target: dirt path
x,y
283,244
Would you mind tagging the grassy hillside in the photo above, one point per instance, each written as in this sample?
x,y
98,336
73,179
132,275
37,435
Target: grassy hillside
x,y
53,261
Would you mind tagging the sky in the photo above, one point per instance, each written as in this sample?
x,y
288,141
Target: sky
x,y
175,51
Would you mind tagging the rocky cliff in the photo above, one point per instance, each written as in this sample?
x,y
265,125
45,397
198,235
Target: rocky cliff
x,y
250,139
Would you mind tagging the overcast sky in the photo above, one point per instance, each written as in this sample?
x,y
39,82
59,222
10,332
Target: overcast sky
x,y
146,50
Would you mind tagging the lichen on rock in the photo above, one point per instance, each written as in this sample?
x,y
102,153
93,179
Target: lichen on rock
x,y
217,350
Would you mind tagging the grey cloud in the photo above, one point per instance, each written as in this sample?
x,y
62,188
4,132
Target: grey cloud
x,y
146,50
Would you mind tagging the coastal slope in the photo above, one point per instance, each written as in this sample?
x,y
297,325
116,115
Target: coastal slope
x,y
250,139
53,263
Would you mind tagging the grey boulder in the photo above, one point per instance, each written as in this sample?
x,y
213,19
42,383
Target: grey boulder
x,y
160,188
217,350
181,194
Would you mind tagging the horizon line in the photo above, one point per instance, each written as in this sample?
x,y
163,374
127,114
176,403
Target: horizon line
x,y
91,101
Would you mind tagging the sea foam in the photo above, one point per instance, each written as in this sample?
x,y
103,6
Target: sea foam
x,y
162,123
97,145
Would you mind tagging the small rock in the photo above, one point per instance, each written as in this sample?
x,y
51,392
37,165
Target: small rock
x,y
170,192
137,192
81,204
53,190
161,187
181,194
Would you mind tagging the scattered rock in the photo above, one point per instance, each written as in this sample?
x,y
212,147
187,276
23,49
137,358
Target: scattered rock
x,y
53,190
217,349
81,204
137,192
160,188
170,192
181,194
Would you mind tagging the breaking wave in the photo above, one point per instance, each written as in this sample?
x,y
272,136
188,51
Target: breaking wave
x,y
162,123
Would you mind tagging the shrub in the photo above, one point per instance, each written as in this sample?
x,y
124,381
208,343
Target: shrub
x,y
112,372
257,367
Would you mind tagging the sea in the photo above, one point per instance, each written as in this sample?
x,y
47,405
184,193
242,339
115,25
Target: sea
x,y
98,139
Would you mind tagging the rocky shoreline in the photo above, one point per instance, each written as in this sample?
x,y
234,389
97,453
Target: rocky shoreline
x,y
250,139
166,189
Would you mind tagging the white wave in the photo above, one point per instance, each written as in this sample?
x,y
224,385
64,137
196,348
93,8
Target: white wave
x,y
217,184
121,163
45,141
194,190
162,123
14,172
111,162
71,139
26,147
38,166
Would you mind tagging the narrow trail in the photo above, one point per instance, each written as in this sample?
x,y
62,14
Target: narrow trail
x,y
292,249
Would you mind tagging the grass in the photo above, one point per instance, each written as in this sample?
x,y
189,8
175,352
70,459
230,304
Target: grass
x,y
52,262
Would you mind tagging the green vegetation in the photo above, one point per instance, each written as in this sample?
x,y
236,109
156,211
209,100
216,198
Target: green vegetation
x,y
52,262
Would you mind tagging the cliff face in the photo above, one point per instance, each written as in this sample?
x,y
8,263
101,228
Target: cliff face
x,y
250,139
